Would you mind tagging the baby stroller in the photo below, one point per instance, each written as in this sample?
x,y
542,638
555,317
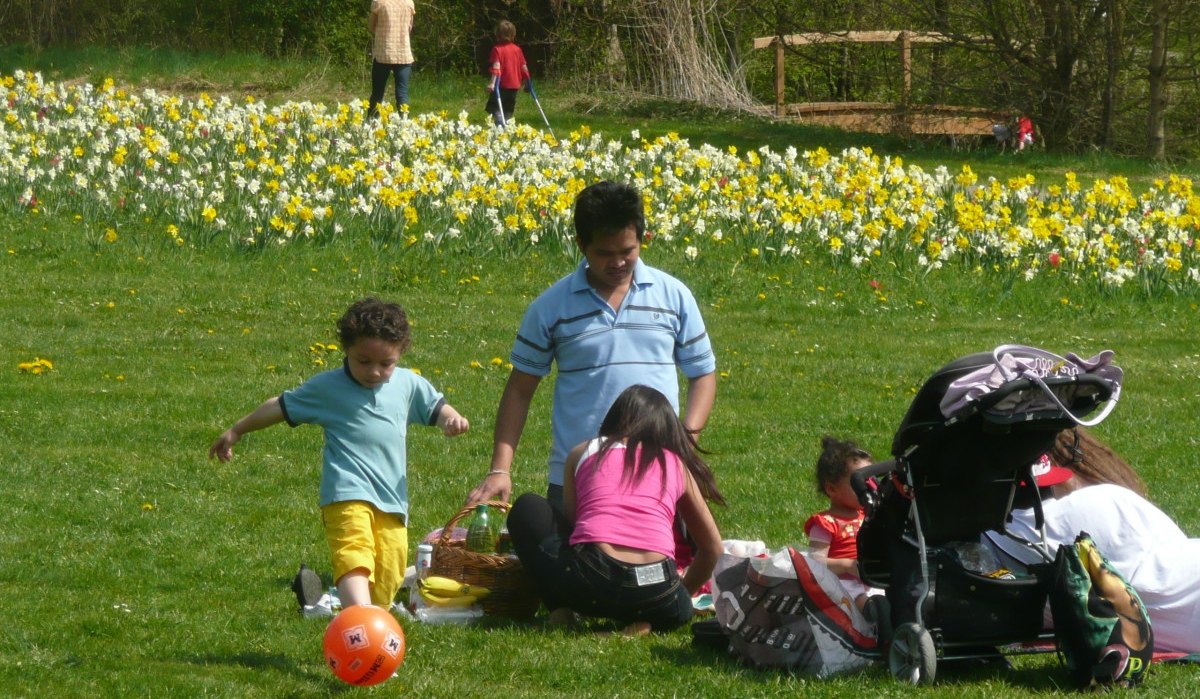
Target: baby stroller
x,y
962,460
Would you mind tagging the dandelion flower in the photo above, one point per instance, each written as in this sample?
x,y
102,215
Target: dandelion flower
x,y
36,367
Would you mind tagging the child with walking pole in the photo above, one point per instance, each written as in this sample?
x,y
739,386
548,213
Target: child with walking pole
x,y
509,71
364,407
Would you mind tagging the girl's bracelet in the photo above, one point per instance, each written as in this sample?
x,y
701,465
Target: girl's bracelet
x,y
496,471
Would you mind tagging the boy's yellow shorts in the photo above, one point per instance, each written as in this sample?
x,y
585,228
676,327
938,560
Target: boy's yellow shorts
x,y
360,536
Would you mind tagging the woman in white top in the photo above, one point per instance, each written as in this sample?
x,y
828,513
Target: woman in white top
x,y
1093,490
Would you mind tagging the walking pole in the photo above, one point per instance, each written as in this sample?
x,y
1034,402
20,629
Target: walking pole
x,y
533,93
499,102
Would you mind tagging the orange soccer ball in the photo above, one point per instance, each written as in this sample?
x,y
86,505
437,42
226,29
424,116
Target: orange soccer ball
x,y
364,645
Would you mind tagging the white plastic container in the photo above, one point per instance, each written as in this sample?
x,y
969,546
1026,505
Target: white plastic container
x,y
424,560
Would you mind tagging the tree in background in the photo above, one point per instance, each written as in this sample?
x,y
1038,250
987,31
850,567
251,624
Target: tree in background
x,y
674,49
1041,57
1174,68
1093,73
1116,74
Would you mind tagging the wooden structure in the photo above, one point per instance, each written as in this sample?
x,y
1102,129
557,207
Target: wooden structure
x,y
877,117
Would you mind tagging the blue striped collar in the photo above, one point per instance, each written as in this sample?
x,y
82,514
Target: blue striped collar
x,y
579,282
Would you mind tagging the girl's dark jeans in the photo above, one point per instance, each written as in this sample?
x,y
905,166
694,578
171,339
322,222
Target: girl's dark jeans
x,y
588,581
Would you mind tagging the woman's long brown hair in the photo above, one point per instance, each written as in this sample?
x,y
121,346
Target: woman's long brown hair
x,y
1093,461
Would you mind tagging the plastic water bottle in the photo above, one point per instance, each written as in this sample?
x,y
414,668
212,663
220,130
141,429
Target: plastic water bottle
x,y
335,602
481,532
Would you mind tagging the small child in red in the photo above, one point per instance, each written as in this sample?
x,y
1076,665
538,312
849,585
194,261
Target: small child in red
x,y
833,533
1024,132
507,63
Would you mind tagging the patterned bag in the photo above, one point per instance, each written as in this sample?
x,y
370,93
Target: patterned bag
x,y
1099,620
785,612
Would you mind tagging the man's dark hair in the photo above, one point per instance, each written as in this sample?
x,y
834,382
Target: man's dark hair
x,y
606,208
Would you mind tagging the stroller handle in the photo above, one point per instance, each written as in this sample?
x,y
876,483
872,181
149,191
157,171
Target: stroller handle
x,y
864,485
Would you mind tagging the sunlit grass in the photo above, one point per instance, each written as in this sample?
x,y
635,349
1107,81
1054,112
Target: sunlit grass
x,y
174,569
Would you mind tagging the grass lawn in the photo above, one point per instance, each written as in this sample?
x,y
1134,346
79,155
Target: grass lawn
x,y
136,566
131,565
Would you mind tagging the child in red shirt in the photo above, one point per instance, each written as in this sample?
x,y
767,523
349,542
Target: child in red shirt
x,y
833,533
507,64
1024,132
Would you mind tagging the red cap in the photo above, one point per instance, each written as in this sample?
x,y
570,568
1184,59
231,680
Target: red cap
x,y
1046,473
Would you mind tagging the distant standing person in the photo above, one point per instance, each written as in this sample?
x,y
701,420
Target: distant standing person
x,y
1002,132
506,64
390,24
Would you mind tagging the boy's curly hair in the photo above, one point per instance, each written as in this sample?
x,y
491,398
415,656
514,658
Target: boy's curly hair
x,y
373,318
835,459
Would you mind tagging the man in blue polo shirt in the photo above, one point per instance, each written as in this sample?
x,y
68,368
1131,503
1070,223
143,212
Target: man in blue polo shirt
x,y
612,323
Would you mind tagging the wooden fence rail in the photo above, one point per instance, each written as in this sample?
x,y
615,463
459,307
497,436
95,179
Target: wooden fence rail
x,y
874,116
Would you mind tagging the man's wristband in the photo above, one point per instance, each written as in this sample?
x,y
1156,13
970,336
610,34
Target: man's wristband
x,y
496,471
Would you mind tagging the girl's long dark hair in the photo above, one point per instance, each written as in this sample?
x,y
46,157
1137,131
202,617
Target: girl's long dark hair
x,y
644,418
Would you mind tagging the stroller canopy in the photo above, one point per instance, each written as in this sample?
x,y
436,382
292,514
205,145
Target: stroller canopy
x,y
975,427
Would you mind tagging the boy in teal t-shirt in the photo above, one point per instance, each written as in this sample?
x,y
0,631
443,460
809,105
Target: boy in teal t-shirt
x,y
364,408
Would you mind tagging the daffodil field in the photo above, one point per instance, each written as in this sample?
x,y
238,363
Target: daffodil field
x,y
207,169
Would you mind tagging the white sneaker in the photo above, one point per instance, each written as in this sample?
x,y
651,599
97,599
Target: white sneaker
x,y
323,607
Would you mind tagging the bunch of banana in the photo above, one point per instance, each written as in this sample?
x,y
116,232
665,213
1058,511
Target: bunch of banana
x,y
440,591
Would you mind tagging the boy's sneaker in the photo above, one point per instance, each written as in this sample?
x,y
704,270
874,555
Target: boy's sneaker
x,y
307,586
326,606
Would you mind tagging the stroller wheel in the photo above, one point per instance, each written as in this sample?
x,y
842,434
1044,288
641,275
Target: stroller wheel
x,y
912,657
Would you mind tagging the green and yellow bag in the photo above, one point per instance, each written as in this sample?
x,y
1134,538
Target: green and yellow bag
x,y
1101,626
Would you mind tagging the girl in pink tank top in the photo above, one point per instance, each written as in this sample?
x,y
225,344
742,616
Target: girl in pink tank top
x,y
610,552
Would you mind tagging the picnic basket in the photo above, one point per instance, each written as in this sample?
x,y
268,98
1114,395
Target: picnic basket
x,y
513,593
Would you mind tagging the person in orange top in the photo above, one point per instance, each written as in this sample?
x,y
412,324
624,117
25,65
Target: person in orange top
x,y
390,25
507,63
833,533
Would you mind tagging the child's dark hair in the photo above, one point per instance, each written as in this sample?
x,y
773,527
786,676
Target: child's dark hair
x,y
644,418
607,207
506,31
372,318
834,462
